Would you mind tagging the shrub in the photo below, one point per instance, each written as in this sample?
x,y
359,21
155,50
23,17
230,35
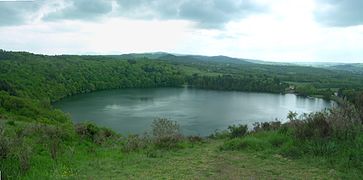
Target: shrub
x,y
168,143
266,126
345,121
51,136
342,123
94,133
135,143
153,153
249,142
285,129
195,139
104,135
219,134
234,144
322,148
314,126
11,123
277,139
237,130
54,136
289,149
166,133
163,127
24,155
21,151
107,133
4,143
86,130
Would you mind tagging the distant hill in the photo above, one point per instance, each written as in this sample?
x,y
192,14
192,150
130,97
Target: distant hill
x,y
186,58
270,62
354,68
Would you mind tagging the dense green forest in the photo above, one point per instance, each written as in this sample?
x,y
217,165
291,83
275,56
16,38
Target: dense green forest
x,y
307,81
38,141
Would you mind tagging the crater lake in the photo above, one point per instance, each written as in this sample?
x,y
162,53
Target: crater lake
x,y
199,112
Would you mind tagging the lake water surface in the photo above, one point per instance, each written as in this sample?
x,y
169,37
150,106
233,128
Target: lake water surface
x,y
199,112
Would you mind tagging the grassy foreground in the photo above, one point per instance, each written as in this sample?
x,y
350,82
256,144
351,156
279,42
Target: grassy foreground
x,y
270,151
203,161
192,160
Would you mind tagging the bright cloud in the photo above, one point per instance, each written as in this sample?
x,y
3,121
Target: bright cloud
x,y
276,30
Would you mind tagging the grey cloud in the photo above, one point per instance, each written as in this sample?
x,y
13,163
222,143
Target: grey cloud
x,y
207,13
216,13
14,13
81,9
340,13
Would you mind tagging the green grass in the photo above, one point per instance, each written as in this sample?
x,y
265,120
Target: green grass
x,y
82,159
339,159
301,149
259,155
203,161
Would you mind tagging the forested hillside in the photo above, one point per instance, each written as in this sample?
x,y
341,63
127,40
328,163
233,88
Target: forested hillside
x,y
35,81
219,72
55,77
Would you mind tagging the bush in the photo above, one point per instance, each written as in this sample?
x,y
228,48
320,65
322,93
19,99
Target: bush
x,y
166,133
284,129
11,123
163,127
21,151
314,126
135,143
154,153
234,144
54,136
341,123
104,135
94,133
249,142
168,143
24,155
219,134
290,149
4,143
345,121
266,126
322,148
86,130
277,139
237,130
195,139
51,136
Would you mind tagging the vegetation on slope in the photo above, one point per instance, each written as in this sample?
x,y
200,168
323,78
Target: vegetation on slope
x,y
332,139
83,159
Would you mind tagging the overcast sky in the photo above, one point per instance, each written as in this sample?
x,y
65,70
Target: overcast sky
x,y
273,30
